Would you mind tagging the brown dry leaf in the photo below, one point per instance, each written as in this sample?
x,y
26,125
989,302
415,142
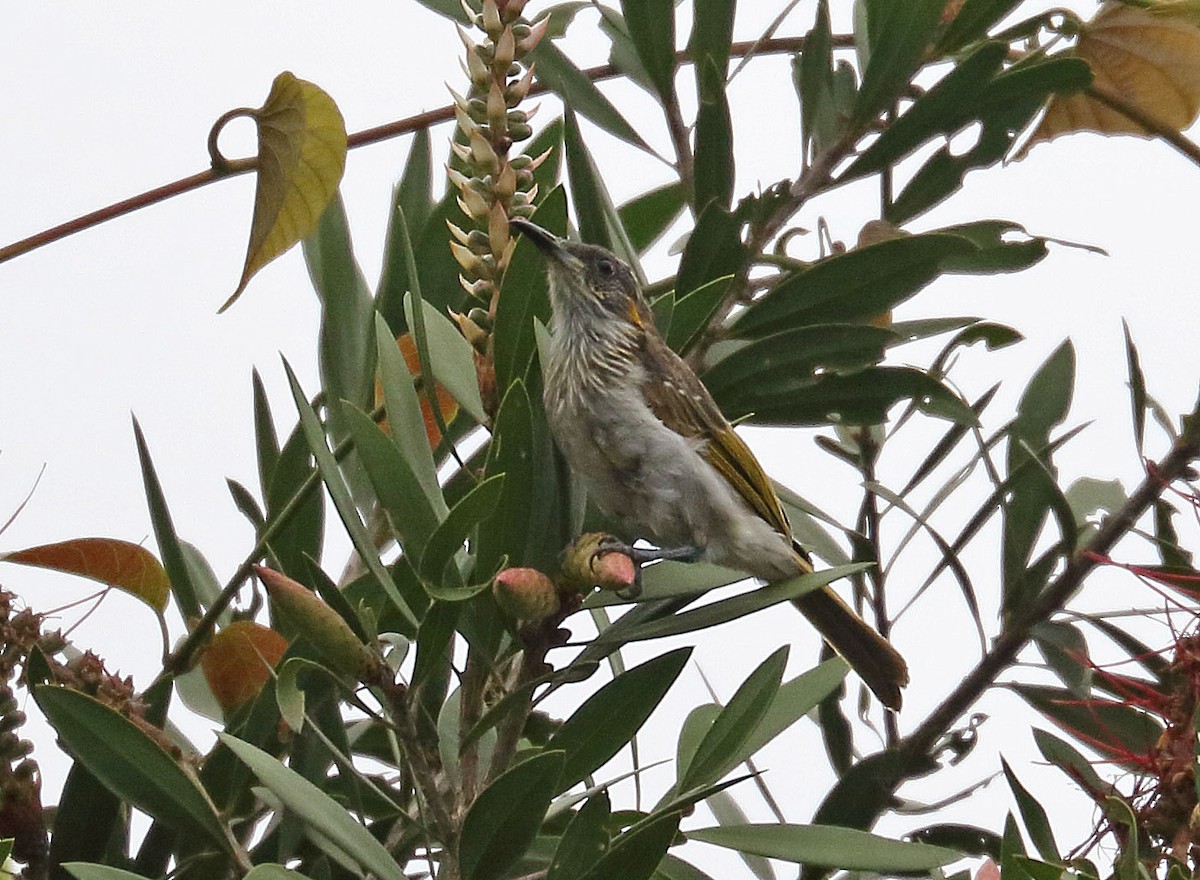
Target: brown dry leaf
x,y
128,567
237,662
301,157
1148,57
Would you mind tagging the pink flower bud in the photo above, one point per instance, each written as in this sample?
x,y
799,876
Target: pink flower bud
x,y
525,593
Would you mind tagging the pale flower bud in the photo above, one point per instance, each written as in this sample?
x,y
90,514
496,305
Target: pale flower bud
x,y
525,593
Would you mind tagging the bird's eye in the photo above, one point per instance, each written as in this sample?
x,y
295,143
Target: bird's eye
x,y
606,268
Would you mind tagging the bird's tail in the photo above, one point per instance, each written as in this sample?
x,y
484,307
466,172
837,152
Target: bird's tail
x,y
868,653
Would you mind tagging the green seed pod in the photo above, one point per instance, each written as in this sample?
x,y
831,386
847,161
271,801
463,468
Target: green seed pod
x,y
321,626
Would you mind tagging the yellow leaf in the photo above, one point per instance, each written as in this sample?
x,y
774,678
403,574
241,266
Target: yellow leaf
x,y
301,156
128,567
1150,58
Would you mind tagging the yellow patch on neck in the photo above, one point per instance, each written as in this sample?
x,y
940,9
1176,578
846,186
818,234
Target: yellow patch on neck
x,y
634,315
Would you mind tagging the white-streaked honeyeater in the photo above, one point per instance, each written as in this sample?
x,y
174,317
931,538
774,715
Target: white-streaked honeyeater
x,y
636,423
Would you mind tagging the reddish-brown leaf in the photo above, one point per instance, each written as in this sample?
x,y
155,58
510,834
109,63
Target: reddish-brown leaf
x,y
237,662
127,567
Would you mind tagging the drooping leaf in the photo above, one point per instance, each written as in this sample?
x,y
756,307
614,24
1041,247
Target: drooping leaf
x,y
87,814
829,846
317,809
712,34
1066,758
301,156
560,75
506,816
1147,57
128,567
131,764
608,719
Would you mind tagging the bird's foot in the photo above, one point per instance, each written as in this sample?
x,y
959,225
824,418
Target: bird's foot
x,y
642,556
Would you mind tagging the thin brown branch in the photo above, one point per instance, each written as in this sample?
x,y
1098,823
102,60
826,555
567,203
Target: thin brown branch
x,y
1018,633
389,130
1153,124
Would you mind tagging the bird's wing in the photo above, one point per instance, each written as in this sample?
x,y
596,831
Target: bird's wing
x,y
683,404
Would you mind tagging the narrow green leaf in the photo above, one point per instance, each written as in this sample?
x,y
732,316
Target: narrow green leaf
x,y
584,840
302,536
86,815
673,868
399,491
476,506
830,846
1137,389
714,168
347,356
646,217
972,22
728,812
131,764
273,872
798,355
506,816
316,809
637,853
412,200
1037,823
549,140
722,747
714,249
451,358
524,297
967,839
691,315
866,789
947,106
339,492
1114,729
861,398
169,547
853,286
651,25
599,222
726,609
404,415
84,871
504,533
794,700
712,34
560,75
899,35
812,73
266,441
609,718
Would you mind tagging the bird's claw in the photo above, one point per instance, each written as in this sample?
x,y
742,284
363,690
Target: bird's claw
x,y
642,556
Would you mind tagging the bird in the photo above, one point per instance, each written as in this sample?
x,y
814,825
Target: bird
x,y
655,452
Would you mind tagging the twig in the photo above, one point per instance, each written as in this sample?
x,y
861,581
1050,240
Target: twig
x,y
408,125
1019,631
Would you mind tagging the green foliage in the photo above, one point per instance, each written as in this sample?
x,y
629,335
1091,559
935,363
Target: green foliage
x,y
447,755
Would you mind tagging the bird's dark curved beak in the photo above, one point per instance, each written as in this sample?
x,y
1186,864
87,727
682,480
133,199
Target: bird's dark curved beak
x,y
545,240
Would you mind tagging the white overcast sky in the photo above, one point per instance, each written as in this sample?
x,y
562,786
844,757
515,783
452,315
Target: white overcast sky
x,y
106,100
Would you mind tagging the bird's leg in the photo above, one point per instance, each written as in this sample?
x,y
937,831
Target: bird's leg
x,y
643,555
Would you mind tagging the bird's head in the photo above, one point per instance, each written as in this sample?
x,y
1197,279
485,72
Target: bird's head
x,y
588,282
